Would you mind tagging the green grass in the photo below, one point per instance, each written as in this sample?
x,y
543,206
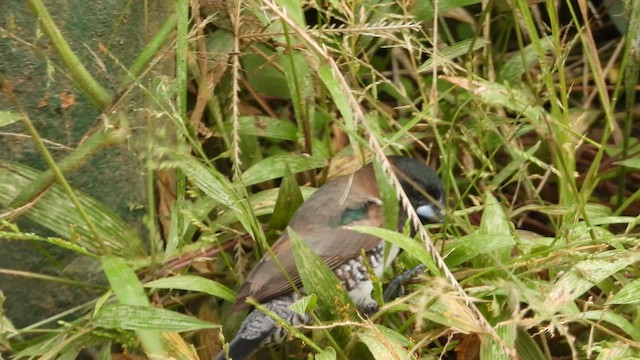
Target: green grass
x,y
525,109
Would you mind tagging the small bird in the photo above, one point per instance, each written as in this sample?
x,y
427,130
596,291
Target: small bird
x,y
347,200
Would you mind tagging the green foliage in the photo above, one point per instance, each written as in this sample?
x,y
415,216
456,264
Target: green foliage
x,y
520,113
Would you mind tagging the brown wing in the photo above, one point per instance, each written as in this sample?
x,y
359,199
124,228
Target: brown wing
x,y
318,223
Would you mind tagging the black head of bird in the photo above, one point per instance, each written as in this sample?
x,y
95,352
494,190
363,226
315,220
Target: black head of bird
x,y
321,222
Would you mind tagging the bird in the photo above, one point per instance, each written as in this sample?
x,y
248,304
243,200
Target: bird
x,y
322,223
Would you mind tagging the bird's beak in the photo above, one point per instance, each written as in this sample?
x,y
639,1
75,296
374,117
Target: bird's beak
x,y
430,213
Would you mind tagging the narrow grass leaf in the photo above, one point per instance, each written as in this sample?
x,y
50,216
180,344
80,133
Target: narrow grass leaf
x,y
267,127
273,167
412,247
493,94
633,163
318,279
129,291
586,274
210,181
193,283
132,317
527,348
612,318
629,294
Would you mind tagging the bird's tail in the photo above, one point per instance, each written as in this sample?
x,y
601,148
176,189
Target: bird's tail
x,y
259,329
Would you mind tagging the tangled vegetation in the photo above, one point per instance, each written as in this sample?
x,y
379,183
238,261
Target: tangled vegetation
x,y
526,109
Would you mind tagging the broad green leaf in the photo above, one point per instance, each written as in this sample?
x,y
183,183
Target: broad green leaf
x,y
147,318
491,350
289,199
264,126
633,163
124,282
494,219
494,223
411,246
293,9
446,308
612,318
586,274
318,279
629,294
273,167
327,354
57,213
210,181
129,291
618,350
305,305
468,247
385,343
8,117
193,283
262,75
527,348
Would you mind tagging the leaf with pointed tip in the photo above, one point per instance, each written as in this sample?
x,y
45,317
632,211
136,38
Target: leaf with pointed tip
x,y
412,247
602,316
305,305
527,348
193,283
289,199
129,291
629,294
469,246
586,274
273,167
8,117
490,349
131,317
264,126
385,343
